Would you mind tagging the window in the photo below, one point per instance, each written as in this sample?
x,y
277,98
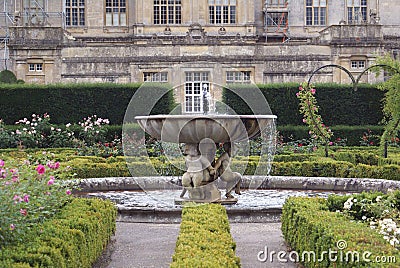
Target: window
x,y
75,12
115,12
356,11
196,87
276,3
155,77
222,11
238,77
35,67
316,12
167,12
357,64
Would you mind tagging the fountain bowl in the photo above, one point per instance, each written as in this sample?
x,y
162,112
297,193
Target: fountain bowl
x,y
193,128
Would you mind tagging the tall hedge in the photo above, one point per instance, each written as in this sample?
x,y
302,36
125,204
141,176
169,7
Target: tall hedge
x,y
67,103
339,104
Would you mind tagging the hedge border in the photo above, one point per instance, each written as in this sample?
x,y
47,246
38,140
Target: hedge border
x,y
309,226
74,238
204,239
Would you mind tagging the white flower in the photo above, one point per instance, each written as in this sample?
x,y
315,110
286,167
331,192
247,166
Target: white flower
x,y
348,204
364,218
378,198
52,128
68,125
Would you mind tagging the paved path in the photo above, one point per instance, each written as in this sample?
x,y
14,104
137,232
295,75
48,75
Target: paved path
x,y
152,245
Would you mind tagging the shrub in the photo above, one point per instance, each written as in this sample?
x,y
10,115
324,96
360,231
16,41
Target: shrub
x,y
309,226
76,237
30,193
365,103
204,239
72,102
8,77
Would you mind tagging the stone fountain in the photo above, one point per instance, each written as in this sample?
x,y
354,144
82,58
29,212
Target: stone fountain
x,y
201,134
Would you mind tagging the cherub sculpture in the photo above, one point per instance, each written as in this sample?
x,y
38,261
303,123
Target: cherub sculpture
x,y
199,172
222,165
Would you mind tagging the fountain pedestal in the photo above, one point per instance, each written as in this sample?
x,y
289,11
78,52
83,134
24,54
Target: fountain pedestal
x,y
200,133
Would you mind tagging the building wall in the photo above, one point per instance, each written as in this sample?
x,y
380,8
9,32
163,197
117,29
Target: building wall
x,y
95,52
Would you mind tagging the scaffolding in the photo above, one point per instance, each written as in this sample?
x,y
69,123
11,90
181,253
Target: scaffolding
x,y
31,14
276,19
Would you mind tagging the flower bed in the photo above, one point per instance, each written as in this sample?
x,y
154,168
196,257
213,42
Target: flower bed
x,y
320,237
75,237
204,239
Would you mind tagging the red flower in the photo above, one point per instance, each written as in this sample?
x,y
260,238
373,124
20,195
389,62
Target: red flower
x,y
40,169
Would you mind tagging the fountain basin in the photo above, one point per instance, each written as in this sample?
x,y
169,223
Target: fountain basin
x,y
195,128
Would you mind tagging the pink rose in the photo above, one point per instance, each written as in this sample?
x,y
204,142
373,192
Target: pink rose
x,y
51,181
26,198
17,199
312,91
23,212
40,169
1,163
68,192
12,227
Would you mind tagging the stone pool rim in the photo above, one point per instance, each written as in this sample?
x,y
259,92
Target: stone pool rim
x,y
265,215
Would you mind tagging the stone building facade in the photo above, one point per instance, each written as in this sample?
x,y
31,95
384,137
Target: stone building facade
x,y
195,44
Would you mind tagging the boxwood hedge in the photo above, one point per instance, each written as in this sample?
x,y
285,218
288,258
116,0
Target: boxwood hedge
x,y
204,239
74,238
311,229
339,104
70,103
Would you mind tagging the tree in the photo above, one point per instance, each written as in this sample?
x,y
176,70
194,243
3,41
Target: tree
x,y
391,102
8,77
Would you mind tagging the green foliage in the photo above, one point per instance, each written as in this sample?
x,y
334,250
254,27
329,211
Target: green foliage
x,y
351,135
30,193
68,103
309,226
391,107
204,239
356,162
76,237
361,107
8,77
309,110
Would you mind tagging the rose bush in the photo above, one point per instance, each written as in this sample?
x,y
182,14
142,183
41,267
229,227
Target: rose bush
x,y
309,110
30,192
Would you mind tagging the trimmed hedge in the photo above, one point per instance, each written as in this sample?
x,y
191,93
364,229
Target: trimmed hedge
x,y
309,226
339,104
204,239
85,167
69,103
74,238
352,134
